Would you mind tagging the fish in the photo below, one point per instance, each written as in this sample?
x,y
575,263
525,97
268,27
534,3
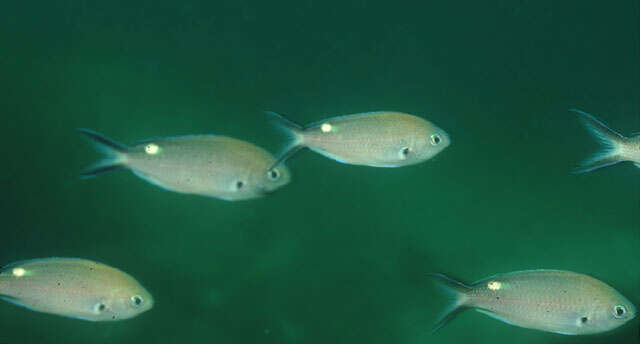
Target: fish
x,y
75,288
555,301
377,139
617,148
215,166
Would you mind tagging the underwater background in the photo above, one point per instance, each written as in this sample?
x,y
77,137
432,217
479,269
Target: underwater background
x,y
340,255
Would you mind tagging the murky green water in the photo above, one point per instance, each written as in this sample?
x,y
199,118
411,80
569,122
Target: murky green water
x,y
340,254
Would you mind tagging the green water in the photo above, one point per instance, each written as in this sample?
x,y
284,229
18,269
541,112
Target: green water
x,y
340,254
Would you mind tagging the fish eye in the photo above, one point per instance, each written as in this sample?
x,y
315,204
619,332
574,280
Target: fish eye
x,y
239,184
136,300
435,139
619,311
584,320
273,174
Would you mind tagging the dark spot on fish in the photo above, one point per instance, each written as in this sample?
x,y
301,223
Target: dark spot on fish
x,y
564,291
239,184
58,283
497,297
113,317
584,320
102,307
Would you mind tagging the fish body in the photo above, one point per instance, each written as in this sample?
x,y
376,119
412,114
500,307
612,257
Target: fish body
x,y
208,165
378,139
74,288
617,148
548,300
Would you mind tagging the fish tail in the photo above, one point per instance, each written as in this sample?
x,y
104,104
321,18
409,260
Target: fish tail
x,y
458,291
295,134
611,141
115,154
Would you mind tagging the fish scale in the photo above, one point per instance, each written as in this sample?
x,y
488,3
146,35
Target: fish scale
x,y
548,300
377,139
207,165
75,288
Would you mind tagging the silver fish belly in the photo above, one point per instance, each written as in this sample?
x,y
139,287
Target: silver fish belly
x,y
548,300
75,288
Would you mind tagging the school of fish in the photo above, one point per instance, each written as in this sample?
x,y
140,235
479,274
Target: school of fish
x,y
230,169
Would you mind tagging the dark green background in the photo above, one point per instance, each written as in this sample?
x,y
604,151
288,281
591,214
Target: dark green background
x,y
340,254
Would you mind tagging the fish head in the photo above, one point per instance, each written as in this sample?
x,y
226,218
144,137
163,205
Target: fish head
x,y
612,312
428,142
273,179
259,182
619,311
123,303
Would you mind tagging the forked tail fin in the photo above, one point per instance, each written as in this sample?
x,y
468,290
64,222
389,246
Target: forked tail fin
x,y
610,140
114,152
293,131
458,291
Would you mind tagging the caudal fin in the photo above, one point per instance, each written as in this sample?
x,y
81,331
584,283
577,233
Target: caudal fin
x,y
610,140
294,133
114,154
458,292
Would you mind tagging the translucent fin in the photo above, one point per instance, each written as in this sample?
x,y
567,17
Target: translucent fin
x,y
27,261
610,139
151,180
15,301
458,291
293,131
114,154
495,316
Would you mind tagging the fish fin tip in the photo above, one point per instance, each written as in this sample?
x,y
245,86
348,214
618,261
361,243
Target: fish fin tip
x,y
286,153
103,142
99,169
115,154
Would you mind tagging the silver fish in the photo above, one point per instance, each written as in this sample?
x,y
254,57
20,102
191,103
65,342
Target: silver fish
x,y
215,166
618,148
378,139
73,287
548,300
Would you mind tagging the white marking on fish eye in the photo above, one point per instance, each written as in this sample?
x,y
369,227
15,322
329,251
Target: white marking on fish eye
x,y
494,285
152,149
273,174
326,127
19,272
136,300
619,311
